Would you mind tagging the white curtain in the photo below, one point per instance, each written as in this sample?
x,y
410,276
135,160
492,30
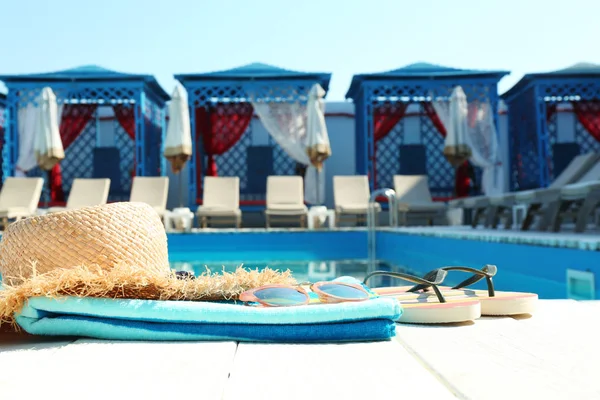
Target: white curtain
x,y
483,140
286,123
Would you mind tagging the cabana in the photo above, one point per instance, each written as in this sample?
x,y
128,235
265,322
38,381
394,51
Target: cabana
x,y
221,115
381,101
537,155
95,146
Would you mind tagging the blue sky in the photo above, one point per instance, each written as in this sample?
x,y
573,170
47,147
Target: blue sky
x,y
339,36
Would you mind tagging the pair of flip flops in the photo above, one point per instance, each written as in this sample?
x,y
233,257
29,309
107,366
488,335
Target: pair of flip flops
x,y
428,302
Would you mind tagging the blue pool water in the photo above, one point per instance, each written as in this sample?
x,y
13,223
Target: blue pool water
x,y
322,255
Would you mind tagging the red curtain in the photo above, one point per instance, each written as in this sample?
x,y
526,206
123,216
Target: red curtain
x,y
74,119
221,128
385,117
462,179
550,110
433,117
588,115
126,117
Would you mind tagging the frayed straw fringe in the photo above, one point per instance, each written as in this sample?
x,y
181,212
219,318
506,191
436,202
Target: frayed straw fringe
x,y
131,282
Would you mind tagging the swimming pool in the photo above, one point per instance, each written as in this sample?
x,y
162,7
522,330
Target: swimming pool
x,y
553,273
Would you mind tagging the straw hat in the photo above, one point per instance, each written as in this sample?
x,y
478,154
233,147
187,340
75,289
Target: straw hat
x,y
117,250
99,237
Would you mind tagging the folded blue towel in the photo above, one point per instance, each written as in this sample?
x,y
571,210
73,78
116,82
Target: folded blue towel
x,y
122,319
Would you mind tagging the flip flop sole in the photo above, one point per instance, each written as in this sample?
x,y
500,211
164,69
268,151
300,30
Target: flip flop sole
x,y
424,308
503,303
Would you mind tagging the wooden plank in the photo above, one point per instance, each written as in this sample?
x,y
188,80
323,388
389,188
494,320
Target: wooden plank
x,y
551,355
22,354
93,369
377,370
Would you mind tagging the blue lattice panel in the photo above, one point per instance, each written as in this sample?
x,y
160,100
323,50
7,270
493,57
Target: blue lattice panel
x,y
524,151
70,92
203,93
79,157
152,150
387,161
126,148
552,129
417,92
233,163
283,164
569,89
586,142
439,171
2,131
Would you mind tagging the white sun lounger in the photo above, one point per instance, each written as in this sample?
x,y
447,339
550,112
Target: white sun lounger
x,y
498,207
85,193
152,190
285,200
577,200
19,198
220,201
414,198
535,199
351,197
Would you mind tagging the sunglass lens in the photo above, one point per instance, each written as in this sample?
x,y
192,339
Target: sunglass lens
x,y
281,296
343,291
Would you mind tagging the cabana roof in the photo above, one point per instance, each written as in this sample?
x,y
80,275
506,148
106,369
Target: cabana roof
x,y
420,71
258,72
89,73
579,70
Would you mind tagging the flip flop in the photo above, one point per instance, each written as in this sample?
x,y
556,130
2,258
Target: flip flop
x,y
493,303
429,307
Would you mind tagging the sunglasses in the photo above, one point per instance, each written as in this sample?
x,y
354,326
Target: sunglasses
x,y
288,296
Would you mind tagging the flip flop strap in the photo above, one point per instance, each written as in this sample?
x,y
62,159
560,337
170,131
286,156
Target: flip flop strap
x,y
431,279
487,272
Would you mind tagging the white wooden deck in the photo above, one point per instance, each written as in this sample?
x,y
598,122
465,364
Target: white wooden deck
x,y
553,355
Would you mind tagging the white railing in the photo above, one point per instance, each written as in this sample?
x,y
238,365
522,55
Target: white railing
x,y
372,221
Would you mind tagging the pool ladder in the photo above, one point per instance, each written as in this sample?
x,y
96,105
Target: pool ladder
x,y
372,221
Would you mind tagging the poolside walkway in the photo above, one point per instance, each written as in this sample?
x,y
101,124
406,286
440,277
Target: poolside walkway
x,y
583,241
552,355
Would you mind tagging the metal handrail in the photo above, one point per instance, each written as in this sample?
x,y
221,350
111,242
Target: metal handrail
x,y
372,221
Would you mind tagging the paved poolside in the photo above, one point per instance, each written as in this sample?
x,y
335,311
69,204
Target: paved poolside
x,y
568,239
552,355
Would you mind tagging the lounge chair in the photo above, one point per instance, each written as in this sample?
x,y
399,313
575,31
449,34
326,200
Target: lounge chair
x,y
351,197
414,198
220,201
285,200
535,199
85,193
19,198
577,200
152,190
498,207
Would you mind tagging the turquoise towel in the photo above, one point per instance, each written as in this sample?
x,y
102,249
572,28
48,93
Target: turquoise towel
x,y
119,319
